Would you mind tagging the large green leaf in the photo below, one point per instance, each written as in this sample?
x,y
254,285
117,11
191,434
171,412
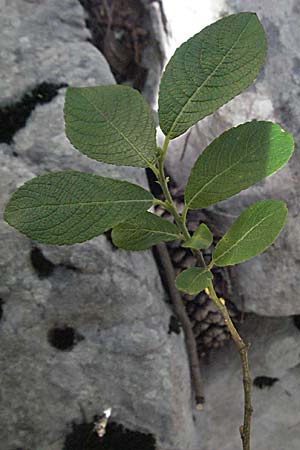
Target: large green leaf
x,y
69,207
193,280
254,231
236,160
201,239
143,231
111,124
209,70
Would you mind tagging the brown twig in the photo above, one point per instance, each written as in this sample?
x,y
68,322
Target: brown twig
x,y
185,322
220,303
243,350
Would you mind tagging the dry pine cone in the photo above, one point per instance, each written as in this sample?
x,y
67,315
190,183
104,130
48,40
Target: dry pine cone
x,y
208,324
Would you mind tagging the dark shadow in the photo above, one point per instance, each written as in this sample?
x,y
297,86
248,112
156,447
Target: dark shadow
x,y
14,117
1,308
43,267
83,437
296,320
64,338
174,325
263,382
118,30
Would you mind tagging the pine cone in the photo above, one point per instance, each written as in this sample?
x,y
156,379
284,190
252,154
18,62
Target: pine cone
x,y
208,324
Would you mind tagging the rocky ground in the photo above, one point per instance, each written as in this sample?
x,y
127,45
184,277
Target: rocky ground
x,y
268,286
274,96
86,327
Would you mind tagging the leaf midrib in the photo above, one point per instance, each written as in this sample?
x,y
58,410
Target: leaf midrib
x,y
189,100
200,274
243,237
220,174
149,163
107,202
151,231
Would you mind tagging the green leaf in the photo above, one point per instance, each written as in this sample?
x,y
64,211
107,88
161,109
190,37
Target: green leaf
x,y
209,70
254,231
193,280
236,160
143,231
70,207
201,239
111,124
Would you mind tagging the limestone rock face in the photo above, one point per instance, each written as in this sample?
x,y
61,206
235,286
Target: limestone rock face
x,y
83,327
269,283
46,41
275,370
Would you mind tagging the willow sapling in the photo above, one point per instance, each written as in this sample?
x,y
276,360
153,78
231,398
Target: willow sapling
x,y
113,124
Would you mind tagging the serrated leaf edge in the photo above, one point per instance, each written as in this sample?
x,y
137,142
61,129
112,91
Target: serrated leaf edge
x,y
131,144
245,235
221,174
169,134
203,271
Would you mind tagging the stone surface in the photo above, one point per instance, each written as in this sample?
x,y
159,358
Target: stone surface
x,y
45,42
154,53
274,354
120,354
268,284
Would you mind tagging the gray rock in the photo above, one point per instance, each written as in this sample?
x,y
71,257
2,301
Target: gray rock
x,y
46,43
109,304
154,52
274,355
268,284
